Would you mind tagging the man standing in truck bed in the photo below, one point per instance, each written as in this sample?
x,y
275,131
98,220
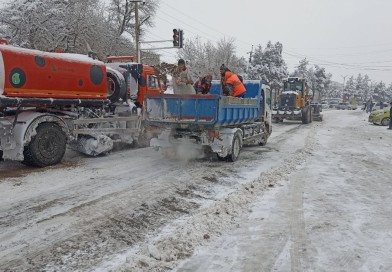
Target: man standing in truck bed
x,y
182,82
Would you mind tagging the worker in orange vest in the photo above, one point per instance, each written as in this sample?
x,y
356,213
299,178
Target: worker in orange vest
x,y
203,85
231,84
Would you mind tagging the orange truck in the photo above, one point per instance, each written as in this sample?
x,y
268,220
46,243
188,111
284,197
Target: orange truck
x,y
49,100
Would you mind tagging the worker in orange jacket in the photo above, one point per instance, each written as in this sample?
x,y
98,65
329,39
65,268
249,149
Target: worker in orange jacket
x,y
231,84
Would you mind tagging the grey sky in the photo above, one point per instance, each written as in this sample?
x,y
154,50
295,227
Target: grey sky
x,y
347,37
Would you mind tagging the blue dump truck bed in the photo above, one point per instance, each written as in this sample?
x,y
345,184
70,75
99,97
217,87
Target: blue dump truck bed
x,y
213,109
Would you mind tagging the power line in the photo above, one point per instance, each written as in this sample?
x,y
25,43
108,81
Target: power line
x,y
208,26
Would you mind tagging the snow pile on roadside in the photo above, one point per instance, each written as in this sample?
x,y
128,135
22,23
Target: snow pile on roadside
x,y
165,251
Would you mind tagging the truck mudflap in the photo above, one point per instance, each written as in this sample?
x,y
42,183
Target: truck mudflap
x,y
221,144
7,141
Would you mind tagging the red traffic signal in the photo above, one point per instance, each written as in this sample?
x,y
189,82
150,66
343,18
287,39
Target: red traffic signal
x,y
176,38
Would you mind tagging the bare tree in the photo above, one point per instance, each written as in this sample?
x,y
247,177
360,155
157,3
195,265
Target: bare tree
x,y
206,58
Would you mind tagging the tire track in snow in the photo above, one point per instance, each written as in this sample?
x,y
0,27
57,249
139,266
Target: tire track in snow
x,y
298,238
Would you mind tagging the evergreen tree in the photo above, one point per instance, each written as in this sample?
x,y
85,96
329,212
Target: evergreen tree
x,y
302,69
365,88
380,92
349,88
269,65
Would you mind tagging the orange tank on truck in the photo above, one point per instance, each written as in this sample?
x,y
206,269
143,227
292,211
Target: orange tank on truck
x,y
51,100
29,73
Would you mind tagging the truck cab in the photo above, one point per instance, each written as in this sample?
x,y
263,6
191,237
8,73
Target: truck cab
x,y
139,79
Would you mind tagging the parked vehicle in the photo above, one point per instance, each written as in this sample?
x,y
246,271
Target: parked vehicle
x,y
49,99
316,111
380,106
380,117
324,105
343,106
213,122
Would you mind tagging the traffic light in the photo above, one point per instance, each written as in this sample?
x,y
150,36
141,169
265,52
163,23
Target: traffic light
x,y
181,38
176,38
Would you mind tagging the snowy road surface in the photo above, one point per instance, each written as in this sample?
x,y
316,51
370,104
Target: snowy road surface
x,y
316,198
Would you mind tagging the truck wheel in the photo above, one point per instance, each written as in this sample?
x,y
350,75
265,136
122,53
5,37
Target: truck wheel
x,y
1,155
221,158
310,117
385,121
47,147
235,148
304,116
263,140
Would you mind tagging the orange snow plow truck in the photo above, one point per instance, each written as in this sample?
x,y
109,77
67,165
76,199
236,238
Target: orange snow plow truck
x,y
49,100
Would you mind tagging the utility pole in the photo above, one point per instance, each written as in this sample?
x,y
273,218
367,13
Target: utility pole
x,y
344,81
137,28
250,58
250,54
137,32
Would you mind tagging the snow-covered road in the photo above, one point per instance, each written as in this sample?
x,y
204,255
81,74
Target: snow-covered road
x,y
315,198
332,214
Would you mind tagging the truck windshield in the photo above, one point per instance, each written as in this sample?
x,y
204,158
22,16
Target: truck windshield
x,y
293,86
152,82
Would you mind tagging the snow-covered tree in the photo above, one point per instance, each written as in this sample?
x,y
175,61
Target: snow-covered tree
x,y
365,88
268,64
388,93
318,79
38,24
380,92
349,87
73,25
302,69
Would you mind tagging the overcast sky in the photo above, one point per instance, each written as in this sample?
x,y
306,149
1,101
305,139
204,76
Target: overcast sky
x,y
347,37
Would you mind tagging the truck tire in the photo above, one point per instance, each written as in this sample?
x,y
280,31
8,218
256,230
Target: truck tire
x,y
47,147
263,140
221,158
235,148
115,90
310,118
304,116
1,155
